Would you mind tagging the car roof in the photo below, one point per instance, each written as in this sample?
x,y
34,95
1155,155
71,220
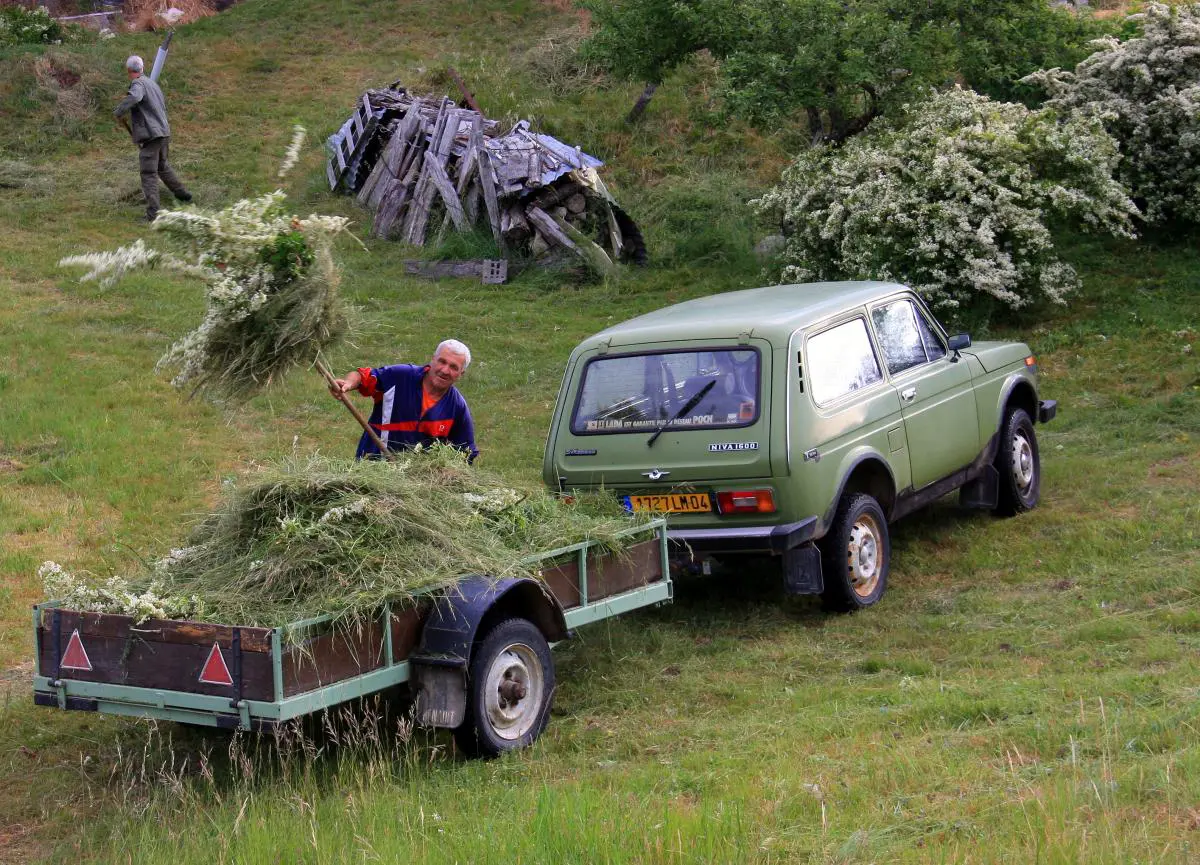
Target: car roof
x,y
773,312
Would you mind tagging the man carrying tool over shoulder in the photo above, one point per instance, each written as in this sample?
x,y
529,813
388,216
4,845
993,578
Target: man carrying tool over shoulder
x,y
146,108
415,405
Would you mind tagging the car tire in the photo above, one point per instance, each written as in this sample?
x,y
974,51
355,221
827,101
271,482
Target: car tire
x,y
509,691
856,555
1018,464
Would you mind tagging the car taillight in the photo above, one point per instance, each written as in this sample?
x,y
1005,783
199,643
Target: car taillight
x,y
1031,361
746,502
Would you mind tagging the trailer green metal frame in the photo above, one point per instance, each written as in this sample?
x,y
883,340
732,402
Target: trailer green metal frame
x,y
216,711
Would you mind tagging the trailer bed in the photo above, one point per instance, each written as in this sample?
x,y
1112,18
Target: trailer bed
x,y
254,678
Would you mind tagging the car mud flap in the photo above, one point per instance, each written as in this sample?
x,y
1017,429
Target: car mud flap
x,y
441,695
802,570
983,492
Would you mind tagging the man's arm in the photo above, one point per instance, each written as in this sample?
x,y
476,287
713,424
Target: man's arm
x,y
131,99
351,381
462,435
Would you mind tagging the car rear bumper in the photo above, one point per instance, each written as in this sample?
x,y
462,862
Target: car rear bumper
x,y
1047,409
746,539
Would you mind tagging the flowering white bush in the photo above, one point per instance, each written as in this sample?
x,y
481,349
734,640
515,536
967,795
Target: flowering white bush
x,y
953,200
247,253
1147,93
116,595
271,287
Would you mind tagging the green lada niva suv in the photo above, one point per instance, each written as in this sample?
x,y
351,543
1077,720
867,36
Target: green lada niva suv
x,y
798,421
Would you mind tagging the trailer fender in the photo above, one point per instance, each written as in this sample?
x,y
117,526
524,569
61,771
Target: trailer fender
x,y
457,619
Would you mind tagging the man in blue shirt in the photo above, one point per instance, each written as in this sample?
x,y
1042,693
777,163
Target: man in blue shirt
x,y
415,405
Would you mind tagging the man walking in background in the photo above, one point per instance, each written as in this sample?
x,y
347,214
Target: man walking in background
x,y
144,113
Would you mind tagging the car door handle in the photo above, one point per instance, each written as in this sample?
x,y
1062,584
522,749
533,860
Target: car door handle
x,y
908,394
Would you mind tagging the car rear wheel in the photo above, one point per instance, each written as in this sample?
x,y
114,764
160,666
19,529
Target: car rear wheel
x,y
510,689
1018,464
856,555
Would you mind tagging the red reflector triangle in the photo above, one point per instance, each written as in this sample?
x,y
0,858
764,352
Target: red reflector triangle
x,y
76,656
215,672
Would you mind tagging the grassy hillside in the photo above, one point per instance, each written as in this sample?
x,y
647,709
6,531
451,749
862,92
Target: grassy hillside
x,y
1025,692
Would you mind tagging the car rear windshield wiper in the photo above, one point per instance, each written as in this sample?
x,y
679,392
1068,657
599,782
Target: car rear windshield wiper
x,y
687,407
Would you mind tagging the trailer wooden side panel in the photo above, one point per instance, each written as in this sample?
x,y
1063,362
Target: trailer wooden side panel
x,y
609,575
340,654
157,654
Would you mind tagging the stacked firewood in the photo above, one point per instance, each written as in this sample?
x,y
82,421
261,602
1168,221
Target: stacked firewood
x,y
422,164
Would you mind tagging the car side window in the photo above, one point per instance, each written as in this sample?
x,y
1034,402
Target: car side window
x,y
905,337
933,345
841,361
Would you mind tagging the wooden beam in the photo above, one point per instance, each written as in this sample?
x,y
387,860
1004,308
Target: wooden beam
x,y
374,180
548,228
393,155
449,197
487,184
462,88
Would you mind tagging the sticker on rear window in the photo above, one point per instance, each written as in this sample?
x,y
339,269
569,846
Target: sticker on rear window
x,y
733,446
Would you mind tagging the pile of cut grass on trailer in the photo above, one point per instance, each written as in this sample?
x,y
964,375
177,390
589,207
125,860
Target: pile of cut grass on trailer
x,y
320,536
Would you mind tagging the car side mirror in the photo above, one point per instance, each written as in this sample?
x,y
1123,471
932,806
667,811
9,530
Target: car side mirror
x,y
958,342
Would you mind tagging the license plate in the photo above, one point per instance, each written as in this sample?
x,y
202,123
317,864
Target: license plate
x,y
675,503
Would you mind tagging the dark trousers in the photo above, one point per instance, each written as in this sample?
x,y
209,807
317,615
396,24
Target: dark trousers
x,y
152,161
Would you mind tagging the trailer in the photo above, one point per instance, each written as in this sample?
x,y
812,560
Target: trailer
x,y
475,657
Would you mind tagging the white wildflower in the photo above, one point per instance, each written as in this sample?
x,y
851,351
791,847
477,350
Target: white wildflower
x,y
337,514
293,152
109,267
494,501
114,595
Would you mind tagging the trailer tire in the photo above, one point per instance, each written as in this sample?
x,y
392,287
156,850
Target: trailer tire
x,y
509,690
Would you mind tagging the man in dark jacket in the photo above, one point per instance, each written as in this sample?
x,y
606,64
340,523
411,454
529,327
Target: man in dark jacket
x,y
415,405
146,109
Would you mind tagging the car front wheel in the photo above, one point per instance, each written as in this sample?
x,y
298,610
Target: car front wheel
x,y
856,555
1018,465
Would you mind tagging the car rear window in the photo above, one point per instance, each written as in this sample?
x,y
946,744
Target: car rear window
x,y
640,392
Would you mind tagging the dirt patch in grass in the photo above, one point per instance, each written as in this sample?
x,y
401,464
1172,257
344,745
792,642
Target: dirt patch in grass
x,y
1185,467
12,681
17,844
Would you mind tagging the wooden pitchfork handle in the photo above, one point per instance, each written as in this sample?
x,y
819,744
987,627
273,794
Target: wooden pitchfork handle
x,y
324,370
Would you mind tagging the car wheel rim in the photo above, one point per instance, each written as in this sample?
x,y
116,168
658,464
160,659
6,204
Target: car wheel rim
x,y
1023,469
513,691
863,556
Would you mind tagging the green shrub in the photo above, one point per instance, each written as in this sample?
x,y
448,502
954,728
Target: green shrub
x,y
20,26
840,63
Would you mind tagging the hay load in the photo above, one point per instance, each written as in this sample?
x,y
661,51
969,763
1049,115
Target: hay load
x,y
324,536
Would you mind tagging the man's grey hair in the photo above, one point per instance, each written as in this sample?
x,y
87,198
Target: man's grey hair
x,y
456,347
135,64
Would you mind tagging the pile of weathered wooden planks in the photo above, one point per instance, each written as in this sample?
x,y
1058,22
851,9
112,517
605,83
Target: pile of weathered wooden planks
x,y
421,161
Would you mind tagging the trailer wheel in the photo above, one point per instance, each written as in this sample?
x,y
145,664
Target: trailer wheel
x,y
510,687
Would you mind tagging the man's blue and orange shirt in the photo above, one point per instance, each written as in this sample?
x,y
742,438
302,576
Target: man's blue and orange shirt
x,y
402,421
